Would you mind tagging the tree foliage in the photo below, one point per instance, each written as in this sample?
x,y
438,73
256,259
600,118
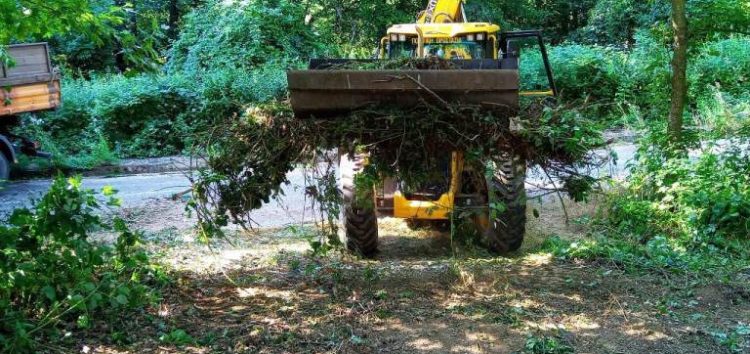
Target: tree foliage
x,y
25,19
244,35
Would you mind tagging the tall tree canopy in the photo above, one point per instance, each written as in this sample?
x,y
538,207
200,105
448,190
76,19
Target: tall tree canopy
x,y
24,19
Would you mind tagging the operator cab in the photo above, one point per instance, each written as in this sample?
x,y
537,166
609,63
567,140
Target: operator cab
x,y
450,41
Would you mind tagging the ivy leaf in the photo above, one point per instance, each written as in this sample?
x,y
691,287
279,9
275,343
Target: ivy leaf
x,y
121,299
49,292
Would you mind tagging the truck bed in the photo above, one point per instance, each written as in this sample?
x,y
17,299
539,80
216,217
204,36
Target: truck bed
x,y
32,84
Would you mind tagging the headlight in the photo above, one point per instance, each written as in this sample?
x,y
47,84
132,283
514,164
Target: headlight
x,y
394,38
470,38
480,36
402,37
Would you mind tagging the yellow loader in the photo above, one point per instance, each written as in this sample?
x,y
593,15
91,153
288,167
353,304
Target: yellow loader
x,y
484,72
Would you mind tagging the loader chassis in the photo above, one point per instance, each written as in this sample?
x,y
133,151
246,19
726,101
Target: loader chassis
x,y
483,71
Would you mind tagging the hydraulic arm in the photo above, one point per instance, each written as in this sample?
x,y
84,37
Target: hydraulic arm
x,y
443,11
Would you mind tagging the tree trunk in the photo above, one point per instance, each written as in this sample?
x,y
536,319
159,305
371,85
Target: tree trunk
x,y
679,71
119,54
174,19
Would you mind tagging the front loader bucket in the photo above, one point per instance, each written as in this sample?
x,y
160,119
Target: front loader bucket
x,y
329,93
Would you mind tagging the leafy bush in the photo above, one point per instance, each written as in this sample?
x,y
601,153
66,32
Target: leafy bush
x,y
680,211
52,274
640,78
141,116
138,116
243,35
615,22
580,71
719,114
724,64
146,115
703,199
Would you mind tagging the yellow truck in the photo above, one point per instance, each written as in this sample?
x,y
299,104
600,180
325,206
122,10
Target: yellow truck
x,y
29,84
484,72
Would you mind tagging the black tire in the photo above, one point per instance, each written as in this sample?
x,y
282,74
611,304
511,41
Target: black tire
x,y
506,230
4,167
360,231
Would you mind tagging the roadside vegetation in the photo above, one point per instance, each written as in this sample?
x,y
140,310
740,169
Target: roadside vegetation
x,y
659,262
55,278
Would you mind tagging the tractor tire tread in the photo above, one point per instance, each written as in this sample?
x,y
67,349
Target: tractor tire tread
x,y
360,225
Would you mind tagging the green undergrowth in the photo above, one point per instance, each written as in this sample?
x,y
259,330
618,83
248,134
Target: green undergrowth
x,y
660,254
633,84
113,116
680,210
55,279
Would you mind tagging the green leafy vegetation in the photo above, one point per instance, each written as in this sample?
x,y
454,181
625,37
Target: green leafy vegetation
x,y
546,345
227,35
684,214
54,277
148,78
224,56
630,86
147,115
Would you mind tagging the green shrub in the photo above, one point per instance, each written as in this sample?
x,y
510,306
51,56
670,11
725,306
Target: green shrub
x,y
719,114
53,275
724,64
243,35
146,115
700,200
142,115
580,71
719,75
614,22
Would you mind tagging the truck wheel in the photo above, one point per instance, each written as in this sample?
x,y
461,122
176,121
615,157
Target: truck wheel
x,y
4,167
506,227
360,232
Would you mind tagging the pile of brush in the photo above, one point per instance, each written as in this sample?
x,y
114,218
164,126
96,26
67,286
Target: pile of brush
x,y
249,157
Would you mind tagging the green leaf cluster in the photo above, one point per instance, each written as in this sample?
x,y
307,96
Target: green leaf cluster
x,y
52,274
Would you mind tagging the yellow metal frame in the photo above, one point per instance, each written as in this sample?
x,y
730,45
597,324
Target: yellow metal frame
x,y
442,11
432,210
538,93
444,30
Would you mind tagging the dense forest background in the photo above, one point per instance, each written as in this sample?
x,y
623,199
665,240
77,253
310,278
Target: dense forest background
x,y
140,76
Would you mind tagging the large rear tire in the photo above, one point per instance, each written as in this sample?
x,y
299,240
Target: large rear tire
x,y
4,167
506,188
360,231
